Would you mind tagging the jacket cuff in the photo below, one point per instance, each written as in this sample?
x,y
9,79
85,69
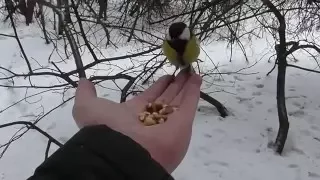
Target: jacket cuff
x,y
121,152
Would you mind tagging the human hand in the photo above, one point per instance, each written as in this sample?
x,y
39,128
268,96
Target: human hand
x,y
167,143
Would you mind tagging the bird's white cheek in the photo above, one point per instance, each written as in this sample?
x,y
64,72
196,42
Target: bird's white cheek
x,y
168,36
185,35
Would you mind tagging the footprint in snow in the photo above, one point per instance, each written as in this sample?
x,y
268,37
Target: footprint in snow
x,y
241,89
221,131
250,106
295,97
247,102
298,113
208,110
221,163
298,104
314,175
52,126
205,149
293,166
239,141
259,86
241,99
256,93
304,96
297,74
305,132
237,78
315,128
259,102
297,150
207,135
2,38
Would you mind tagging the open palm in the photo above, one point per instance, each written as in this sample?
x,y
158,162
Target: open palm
x,y
168,142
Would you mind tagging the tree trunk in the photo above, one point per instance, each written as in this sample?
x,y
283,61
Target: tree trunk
x,y
281,104
103,9
281,51
43,23
67,12
11,9
60,20
29,11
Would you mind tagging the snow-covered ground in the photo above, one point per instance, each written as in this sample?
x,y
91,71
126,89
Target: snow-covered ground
x,y
235,147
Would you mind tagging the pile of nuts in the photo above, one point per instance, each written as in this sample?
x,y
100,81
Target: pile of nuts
x,y
156,113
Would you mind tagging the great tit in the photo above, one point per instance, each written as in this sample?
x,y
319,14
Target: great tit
x,y
181,46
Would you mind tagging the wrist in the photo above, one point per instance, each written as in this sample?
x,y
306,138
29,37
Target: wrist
x,y
156,149
124,151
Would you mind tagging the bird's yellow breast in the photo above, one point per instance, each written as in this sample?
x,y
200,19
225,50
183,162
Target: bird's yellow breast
x,y
190,55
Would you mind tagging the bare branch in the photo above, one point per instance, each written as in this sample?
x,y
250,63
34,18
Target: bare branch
x,y
18,40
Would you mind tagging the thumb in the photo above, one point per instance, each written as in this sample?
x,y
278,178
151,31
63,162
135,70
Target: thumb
x,y
85,91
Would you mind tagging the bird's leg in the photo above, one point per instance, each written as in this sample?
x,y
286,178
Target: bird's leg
x,y
189,69
177,67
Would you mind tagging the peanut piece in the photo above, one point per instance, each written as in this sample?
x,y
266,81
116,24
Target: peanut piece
x,y
163,116
143,115
166,110
161,121
156,113
149,121
149,107
156,107
156,116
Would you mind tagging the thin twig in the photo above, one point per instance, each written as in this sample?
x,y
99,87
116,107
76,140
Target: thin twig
x,y
32,126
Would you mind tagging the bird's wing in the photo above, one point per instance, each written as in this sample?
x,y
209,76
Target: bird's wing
x,y
170,53
192,51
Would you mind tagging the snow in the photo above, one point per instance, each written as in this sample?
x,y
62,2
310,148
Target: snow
x,y
235,147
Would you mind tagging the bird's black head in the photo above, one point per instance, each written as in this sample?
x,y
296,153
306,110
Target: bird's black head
x,y
178,30
177,37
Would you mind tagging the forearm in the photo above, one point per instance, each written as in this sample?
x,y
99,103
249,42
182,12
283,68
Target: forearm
x,y
98,152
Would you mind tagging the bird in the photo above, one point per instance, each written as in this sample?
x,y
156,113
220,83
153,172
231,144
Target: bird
x,y
181,46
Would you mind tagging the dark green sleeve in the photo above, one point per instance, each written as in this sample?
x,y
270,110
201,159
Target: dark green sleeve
x,y
99,153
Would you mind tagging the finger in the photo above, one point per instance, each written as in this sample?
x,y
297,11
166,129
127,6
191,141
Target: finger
x,y
85,92
177,101
173,89
187,102
138,103
155,90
